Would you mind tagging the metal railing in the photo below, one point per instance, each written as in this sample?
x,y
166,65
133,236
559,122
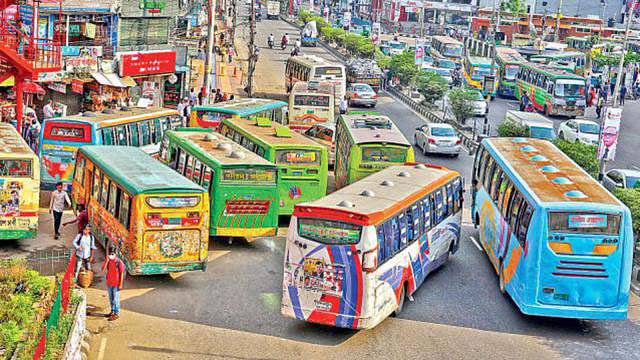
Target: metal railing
x,y
39,53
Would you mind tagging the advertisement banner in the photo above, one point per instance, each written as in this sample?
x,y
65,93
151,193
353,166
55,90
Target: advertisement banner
x,y
419,53
375,32
346,20
609,134
76,86
148,64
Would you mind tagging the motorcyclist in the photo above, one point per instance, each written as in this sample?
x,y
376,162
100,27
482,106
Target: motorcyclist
x,y
270,41
298,44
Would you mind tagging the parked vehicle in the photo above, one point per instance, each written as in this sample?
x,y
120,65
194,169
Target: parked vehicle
x,y
584,131
434,138
622,179
324,134
273,9
361,94
539,127
445,73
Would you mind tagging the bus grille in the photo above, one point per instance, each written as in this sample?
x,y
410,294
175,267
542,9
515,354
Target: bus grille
x,y
247,207
580,269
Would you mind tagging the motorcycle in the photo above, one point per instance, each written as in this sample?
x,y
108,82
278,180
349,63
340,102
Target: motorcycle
x,y
295,51
283,45
270,43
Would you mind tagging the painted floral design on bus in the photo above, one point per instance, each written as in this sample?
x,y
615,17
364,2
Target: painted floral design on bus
x,y
171,245
10,198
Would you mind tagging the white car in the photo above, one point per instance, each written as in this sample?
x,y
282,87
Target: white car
x,y
621,178
434,138
480,108
584,131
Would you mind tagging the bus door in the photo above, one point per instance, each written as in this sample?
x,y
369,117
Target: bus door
x,y
60,141
581,259
323,271
298,176
172,228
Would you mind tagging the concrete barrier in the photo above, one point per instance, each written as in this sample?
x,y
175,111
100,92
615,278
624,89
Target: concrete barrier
x,y
73,347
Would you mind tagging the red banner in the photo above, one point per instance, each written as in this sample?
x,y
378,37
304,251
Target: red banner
x,y
41,345
76,86
148,64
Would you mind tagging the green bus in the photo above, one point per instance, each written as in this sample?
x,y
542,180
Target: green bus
x,y
479,74
302,163
211,116
242,185
574,61
508,61
365,144
551,91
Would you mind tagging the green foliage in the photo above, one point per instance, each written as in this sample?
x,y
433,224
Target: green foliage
x,y
511,129
431,86
403,67
631,198
461,105
10,334
516,7
306,16
631,57
583,155
384,61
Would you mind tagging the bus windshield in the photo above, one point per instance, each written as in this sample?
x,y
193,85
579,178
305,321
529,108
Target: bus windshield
x,y
511,71
15,168
453,50
249,176
329,232
539,132
584,223
298,157
566,87
446,64
384,154
480,73
311,100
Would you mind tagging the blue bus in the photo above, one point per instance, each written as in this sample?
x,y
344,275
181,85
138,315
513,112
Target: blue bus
x,y
561,244
211,116
61,137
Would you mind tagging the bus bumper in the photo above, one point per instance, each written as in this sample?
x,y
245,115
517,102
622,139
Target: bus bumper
x,y
566,111
328,318
138,268
575,312
17,234
247,233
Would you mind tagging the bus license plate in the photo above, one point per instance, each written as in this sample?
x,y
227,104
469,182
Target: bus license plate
x,y
310,111
174,221
296,173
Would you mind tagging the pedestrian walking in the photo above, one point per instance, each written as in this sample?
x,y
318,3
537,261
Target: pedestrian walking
x,y
193,95
47,110
217,97
599,104
85,245
592,96
82,218
114,268
231,53
623,93
181,110
33,135
343,105
56,207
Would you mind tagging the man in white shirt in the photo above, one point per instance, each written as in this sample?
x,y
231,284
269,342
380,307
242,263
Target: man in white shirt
x,y
48,109
56,207
85,245
344,106
181,110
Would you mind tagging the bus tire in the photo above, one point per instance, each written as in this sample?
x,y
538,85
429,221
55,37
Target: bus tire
x,y
476,221
501,283
403,294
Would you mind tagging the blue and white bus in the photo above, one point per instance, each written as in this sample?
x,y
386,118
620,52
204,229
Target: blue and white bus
x,y
562,245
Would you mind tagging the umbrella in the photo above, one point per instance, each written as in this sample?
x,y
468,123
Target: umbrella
x,y
33,88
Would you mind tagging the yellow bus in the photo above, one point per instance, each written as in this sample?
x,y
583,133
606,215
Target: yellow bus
x,y
157,219
311,67
311,103
19,186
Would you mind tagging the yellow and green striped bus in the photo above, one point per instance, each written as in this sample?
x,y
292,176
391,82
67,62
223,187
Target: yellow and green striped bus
x,y
241,184
302,163
577,60
476,69
367,143
551,91
508,61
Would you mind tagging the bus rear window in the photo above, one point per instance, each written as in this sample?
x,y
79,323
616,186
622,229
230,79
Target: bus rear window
x,y
584,223
311,100
329,232
298,157
15,168
328,70
384,154
249,176
173,201
68,132
210,116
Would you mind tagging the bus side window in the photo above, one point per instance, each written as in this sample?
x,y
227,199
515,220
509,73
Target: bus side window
x,y
426,213
189,170
125,208
260,150
104,197
121,135
113,200
438,207
513,218
498,177
418,225
380,233
491,174
153,131
448,200
388,239
457,195
206,178
79,169
106,136
182,161
410,224
197,171
523,223
145,133
395,227
96,184
402,223
505,191
134,139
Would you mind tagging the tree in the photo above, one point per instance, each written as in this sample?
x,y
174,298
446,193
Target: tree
x,y
384,61
510,129
631,198
515,7
431,86
404,68
584,155
461,105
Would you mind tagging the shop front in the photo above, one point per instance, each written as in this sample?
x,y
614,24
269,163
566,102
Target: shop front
x,y
151,72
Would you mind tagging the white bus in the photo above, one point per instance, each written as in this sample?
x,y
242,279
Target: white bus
x,y
310,67
311,103
352,257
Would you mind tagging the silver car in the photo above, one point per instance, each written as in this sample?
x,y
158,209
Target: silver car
x,y
361,94
622,179
435,138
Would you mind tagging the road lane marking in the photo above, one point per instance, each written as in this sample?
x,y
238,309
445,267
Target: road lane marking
x,y
103,346
475,243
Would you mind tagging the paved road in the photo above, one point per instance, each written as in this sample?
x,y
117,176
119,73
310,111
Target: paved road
x,y
241,288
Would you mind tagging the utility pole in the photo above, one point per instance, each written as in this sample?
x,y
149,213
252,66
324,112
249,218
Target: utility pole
x,y
557,32
253,50
422,21
209,60
495,44
619,78
234,23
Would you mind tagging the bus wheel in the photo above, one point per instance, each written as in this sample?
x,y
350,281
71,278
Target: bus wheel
x,y
503,288
401,301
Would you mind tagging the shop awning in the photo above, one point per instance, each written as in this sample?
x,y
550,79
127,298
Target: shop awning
x,y
33,88
128,80
109,79
11,81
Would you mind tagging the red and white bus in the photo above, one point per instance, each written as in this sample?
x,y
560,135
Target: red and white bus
x,y
352,257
